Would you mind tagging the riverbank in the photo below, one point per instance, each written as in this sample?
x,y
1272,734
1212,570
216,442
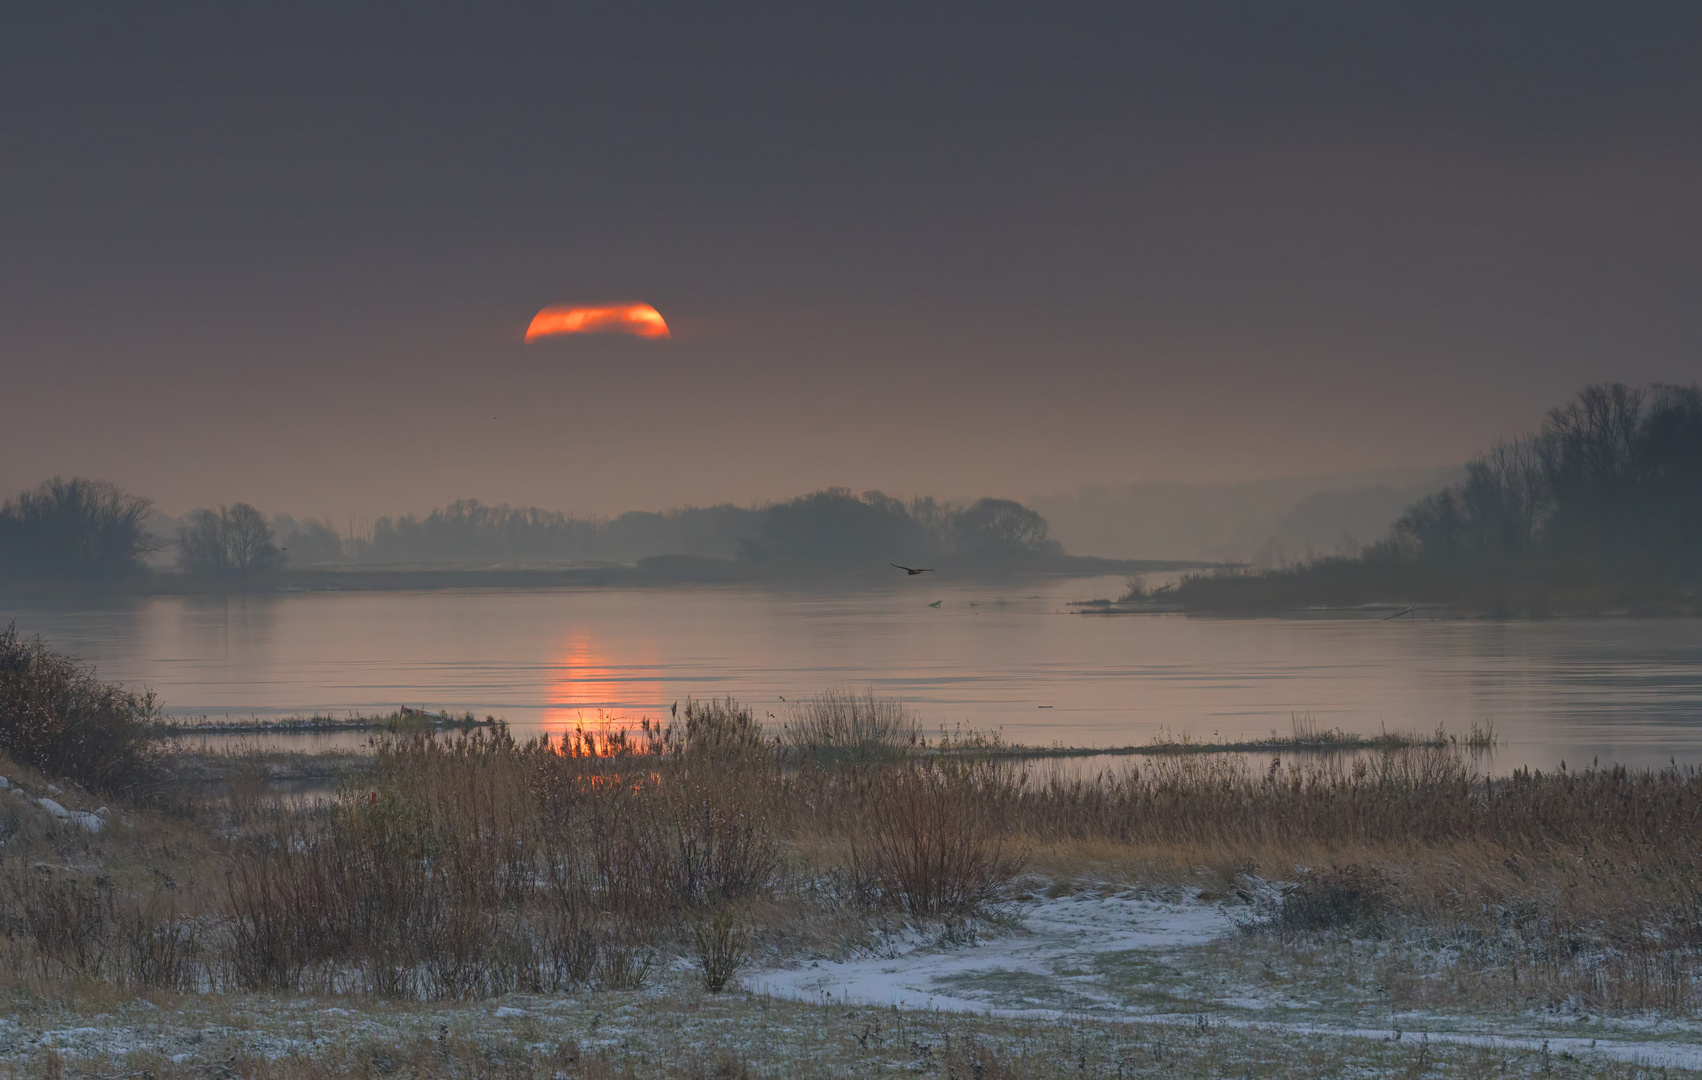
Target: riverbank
x,y
654,572
403,721
1203,914
1359,585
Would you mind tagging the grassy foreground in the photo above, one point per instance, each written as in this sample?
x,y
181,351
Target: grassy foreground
x,y
606,906
696,1036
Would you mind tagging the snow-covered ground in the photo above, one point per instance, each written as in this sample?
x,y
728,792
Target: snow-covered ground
x,y
1048,962
1142,957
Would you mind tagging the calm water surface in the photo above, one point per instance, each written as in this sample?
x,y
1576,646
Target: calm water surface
x,y
1006,657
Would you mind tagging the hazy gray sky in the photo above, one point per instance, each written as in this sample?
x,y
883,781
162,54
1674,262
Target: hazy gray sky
x,y
287,255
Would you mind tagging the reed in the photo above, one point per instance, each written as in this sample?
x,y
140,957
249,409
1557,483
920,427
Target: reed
x,y
841,725
474,864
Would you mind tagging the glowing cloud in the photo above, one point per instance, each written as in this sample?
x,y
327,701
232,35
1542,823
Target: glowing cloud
x,y
639,320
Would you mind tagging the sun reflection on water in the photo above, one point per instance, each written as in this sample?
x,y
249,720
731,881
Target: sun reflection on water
x,y
591,690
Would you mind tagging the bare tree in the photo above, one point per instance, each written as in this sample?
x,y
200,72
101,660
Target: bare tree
x,y
233,540
75,528
1001,529
1588,441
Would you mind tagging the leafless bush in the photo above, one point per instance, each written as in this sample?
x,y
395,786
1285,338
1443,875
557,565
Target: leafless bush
x,y
473,865
57,717
925,846
70,920
722,946
86,928
160,949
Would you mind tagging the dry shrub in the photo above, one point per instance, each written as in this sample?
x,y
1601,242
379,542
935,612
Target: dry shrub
x,y
70,921
84,928
722,947
925,845
840,725
57,717
472,864
1342,897
476,865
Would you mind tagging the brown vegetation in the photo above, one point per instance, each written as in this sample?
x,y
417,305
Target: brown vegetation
x,y
477,865
56,716
474,865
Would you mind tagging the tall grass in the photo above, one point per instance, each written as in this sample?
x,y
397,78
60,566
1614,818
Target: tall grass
x,y
91,930
843,725
474,864
477,865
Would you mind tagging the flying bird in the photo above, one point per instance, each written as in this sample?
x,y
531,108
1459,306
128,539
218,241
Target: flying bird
x,y
913,571
936,603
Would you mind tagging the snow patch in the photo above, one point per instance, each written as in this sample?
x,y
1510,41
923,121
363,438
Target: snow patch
x,y
1054,939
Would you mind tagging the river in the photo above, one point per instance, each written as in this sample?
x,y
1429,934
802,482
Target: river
x,y
1010,657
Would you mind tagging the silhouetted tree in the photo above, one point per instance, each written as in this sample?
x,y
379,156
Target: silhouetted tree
x,y
233,540
1667,463
1493,517
79,529
835,526
1587,448
1612,484
1001,529
468,530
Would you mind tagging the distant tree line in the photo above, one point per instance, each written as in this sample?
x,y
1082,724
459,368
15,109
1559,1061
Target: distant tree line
x,y
833,526
1601,509
92,530
1611,487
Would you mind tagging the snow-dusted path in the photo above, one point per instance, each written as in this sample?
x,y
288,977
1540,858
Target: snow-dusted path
x,y
1049,963
1124,956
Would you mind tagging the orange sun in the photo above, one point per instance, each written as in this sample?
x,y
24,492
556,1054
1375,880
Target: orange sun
x,y
639,320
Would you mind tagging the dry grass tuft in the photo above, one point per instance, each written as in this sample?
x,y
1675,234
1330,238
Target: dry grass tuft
x,y
841,726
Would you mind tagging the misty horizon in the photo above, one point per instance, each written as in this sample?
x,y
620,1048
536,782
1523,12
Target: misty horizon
x,y
1270,522
991,255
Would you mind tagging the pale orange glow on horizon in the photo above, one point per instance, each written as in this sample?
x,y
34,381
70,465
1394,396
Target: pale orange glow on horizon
x,y
639,320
